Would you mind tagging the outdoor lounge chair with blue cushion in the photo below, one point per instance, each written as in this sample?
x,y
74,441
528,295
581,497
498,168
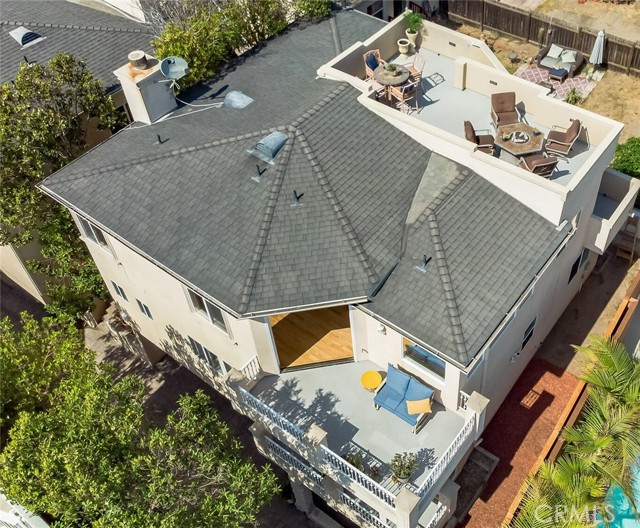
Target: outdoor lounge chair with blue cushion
x,y
396,390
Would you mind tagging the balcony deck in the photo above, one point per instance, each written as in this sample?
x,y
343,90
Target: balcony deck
x,y
446,107
333,398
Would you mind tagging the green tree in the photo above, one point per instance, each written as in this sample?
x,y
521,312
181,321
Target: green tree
x,y
46,115
248,22
312,9
35,360
195,475
79,448
627,159
199,39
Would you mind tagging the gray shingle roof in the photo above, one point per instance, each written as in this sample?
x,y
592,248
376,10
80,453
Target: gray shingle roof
x,y
485,249
374,201
101,39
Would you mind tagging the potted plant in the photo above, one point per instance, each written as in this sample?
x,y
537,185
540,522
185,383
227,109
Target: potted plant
x,y
403,465
414,25
392,68
356,460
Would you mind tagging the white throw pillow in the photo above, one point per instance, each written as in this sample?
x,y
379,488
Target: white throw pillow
x,y
555,51
568,57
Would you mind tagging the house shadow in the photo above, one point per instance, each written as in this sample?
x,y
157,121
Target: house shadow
x,y
287,400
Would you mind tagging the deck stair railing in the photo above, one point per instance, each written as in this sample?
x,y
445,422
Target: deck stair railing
x,y
293,460
252,368
366,515
268,414
355,475
435,520
446,459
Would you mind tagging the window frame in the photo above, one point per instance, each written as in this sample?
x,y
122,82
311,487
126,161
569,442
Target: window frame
x,y
206,356
206,310
144,309
578,264
94,233
119,291
528,333
431,362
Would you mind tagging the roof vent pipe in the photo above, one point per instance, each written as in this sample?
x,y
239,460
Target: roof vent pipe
x,y
138,59
268,147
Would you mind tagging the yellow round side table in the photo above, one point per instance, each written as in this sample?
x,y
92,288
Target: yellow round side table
x,y
371,380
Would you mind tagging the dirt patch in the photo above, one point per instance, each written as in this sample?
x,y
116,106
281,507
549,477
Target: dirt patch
x,y
621,20
503,45
617,96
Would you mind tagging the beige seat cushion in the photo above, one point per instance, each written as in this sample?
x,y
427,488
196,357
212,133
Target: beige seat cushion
x,y
419,406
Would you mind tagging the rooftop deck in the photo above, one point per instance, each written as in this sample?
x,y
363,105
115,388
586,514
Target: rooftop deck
x,y
333,398
446,107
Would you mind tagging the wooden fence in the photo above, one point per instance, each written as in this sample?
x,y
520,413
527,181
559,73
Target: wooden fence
x,y
619,54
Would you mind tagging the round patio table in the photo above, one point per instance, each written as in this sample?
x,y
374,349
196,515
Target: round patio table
x,y
387,78
371,380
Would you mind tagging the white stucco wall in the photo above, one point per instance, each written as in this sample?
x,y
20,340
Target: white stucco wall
x,y
167,300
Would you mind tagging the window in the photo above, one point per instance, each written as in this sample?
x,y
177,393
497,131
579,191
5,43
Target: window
x,y
528,334
119,291
210,312
424,358
93,232
144,309
375,9
206,355
579,263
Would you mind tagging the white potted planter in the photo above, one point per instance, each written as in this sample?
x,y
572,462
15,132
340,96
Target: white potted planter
x,y
403,46
414,25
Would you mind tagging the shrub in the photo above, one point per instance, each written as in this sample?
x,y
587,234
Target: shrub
x,y
627,159
312,9
200,40
573,97
248,22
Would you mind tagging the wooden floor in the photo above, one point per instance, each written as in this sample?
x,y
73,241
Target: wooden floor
x,y
314,336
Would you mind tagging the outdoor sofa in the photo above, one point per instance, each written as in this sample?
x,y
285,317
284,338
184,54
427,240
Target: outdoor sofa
x,y
399,388
554,57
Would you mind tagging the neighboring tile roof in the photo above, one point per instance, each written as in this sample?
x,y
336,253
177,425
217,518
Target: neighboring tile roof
x,y
101,39
371,195
485,249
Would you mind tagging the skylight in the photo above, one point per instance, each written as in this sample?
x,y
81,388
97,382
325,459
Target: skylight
x,y
24,37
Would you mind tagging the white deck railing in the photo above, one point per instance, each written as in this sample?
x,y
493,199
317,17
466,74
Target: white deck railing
x,y
463,398
442,509
293,460
252,368
271,416
449,455
364,514
355,475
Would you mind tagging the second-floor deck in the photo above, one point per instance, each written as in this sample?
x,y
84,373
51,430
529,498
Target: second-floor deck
x,y
333,398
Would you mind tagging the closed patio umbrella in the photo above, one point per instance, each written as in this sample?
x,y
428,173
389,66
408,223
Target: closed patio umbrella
x,y
597,53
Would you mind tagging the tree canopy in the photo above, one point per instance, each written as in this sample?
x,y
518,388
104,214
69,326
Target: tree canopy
x,y
46,115
80,449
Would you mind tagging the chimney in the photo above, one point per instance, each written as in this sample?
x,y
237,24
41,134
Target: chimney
x,y
147,90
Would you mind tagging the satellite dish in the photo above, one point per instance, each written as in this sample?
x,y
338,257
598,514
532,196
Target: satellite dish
x,y
174,68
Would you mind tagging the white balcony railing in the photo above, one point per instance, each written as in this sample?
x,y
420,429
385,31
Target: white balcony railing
x,y
463,398
252,368
440,512
446,459
358,477
368,516
272,417
293,460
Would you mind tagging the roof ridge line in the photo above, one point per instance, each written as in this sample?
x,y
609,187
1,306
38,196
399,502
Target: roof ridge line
x,y
176,152
30,25
451,302
316,107
442,197
265,225
336,206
